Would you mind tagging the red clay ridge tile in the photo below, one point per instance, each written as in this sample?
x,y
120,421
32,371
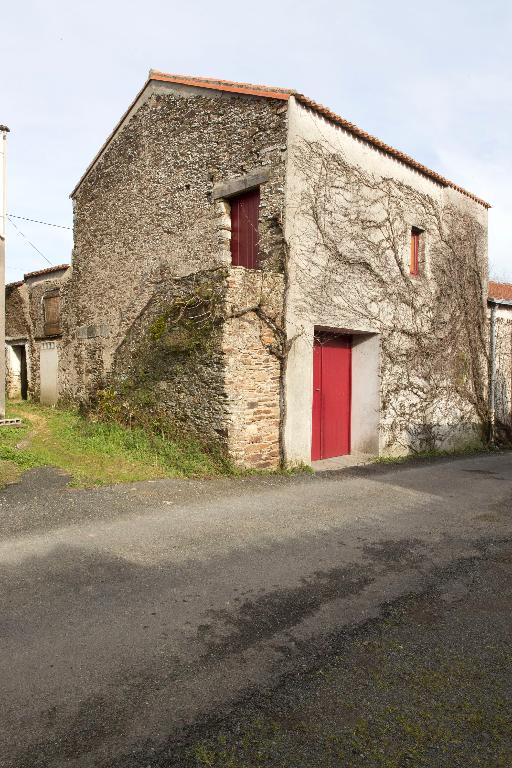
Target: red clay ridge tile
x,y
500,290
46,271
215,84
285,93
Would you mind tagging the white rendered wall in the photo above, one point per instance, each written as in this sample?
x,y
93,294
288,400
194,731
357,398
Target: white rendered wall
x,y
13,371
503,350
49,363
365,394
367,429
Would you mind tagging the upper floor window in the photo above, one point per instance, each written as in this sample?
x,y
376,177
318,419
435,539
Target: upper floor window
x,y
51,313
414,264
244,229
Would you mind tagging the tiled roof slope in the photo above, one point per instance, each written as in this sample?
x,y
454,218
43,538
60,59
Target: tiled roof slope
x,y
223,85
265,91
46,271
37,273
500,290
285,93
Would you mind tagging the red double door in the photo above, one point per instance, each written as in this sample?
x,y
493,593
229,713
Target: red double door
x,y
332,375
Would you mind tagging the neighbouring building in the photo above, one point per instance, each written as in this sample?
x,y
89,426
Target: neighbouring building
x,y
33,334
251,267
500,306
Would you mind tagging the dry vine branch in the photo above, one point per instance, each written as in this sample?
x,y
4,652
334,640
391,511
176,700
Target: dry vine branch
x,y
352,254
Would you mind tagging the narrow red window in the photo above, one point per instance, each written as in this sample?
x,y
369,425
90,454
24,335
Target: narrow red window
x,y
244,229
414,266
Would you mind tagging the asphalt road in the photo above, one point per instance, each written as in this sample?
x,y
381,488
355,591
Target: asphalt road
x,y
428,684
132,617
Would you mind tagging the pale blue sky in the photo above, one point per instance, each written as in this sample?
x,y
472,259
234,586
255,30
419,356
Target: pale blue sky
x,y
432,79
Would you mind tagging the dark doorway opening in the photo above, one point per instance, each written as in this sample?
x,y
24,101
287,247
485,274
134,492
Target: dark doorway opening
x,y
21,355
23,372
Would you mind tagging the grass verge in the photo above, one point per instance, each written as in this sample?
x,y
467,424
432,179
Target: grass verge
x,y
96,453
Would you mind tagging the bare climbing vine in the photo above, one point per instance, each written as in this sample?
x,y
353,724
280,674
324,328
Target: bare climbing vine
x,y
351,260
348,263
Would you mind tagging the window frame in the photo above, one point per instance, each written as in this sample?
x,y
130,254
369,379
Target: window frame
x,y
416,245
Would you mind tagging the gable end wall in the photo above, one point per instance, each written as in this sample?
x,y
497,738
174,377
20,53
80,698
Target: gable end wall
x,y
145,217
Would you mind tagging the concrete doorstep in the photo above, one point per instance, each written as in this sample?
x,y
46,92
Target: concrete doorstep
x,y
342,462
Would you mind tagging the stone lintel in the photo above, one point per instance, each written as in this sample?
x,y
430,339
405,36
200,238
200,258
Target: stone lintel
x,y
240,184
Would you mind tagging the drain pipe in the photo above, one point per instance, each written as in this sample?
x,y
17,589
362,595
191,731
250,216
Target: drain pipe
x,y
492,372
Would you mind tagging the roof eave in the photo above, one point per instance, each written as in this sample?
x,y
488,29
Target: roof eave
x,y
381,146
499,302
47,271
283,94
227,86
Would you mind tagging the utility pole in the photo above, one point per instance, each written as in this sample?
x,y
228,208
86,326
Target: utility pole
x,y
3,221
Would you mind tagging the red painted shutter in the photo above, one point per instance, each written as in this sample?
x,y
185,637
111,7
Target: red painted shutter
x,y
244,229
415,252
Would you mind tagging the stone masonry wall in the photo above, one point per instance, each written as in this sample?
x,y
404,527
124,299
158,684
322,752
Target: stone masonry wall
x,y
253,366
25,320
36,292
17,324
144,217
170,368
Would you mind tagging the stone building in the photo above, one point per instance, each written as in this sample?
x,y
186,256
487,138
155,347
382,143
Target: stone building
x,y
500,307
33,334
209,289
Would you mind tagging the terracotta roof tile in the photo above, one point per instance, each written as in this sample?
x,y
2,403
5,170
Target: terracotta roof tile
x,y
46,271
285,93
500,290
213,83
231,86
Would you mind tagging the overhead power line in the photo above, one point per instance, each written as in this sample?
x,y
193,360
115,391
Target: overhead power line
x,y
37,221
28,241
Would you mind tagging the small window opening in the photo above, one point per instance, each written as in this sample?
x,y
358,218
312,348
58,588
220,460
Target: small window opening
x,y
414,264
245,210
